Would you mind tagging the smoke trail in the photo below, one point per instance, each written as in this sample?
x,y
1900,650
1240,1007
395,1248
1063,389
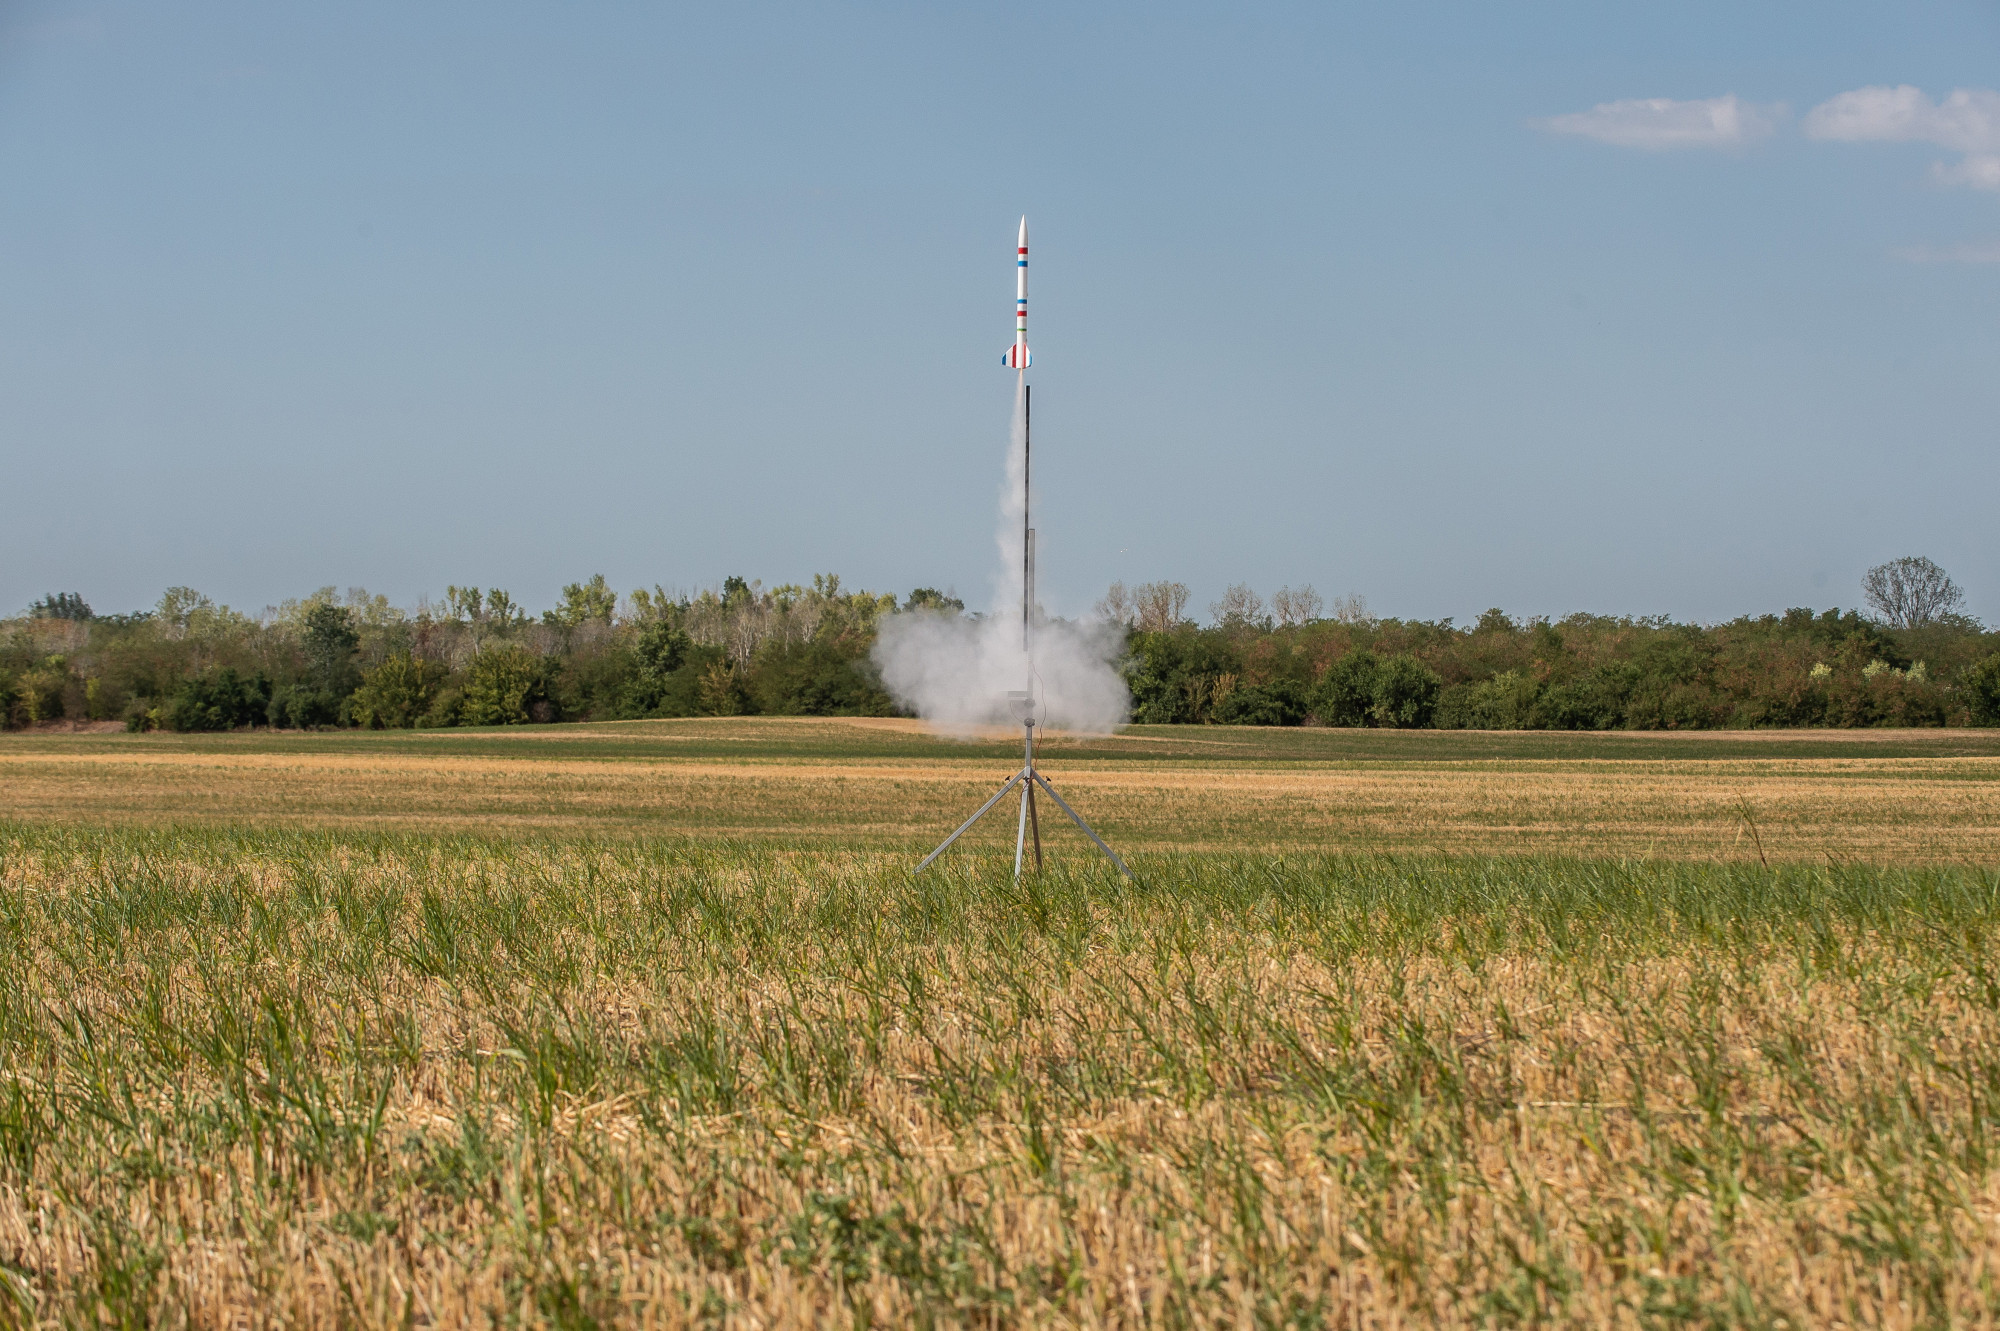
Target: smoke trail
x,y
956,673
1013,495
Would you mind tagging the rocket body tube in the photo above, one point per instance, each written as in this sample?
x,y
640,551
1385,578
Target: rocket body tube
x,y
1017,357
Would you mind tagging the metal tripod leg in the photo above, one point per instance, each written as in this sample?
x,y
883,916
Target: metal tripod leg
x,y
1076,818
1028,819
1021,827
966,826
1034,824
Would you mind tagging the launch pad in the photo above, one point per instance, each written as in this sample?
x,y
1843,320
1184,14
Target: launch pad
x,y
1022,702
1027,778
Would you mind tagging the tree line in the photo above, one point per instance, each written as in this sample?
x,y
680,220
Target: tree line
x,y
480,659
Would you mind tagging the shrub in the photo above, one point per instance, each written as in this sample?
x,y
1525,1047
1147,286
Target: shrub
x,y
397,693
1282,702
1674,707
1504,702
219,699
505,686
592,682
445,710
38,693
302,707
1346,692
1982,690
1594,700
821,677
1406,693
721,692
1175,675
1454,709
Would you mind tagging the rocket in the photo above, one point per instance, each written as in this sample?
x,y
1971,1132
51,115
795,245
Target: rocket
x,y
1016,356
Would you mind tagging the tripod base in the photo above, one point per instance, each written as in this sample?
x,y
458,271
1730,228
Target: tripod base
x,y
1027,778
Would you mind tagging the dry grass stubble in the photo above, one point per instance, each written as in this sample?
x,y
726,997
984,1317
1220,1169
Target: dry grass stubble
x,y
315,1080
1884,809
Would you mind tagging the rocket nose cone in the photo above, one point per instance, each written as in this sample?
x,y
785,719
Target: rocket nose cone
x,y
1024,232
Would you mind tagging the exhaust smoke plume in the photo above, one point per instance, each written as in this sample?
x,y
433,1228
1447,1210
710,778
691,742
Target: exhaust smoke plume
x,y
956,673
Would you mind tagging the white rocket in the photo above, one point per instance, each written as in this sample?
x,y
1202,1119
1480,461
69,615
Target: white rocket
x,y
1017,357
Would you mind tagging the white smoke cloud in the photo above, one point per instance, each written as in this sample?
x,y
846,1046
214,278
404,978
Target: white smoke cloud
x,y
956,673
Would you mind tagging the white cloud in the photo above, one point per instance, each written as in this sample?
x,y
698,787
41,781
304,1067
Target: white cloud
x,y
1987,252
1661,122
1967,121
1978,171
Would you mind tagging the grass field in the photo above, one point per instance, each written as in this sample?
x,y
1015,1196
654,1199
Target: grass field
x,y
1903,796
652,1025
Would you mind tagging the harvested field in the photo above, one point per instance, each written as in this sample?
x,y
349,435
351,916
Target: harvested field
x,y
417,1080
1898,796
651,1025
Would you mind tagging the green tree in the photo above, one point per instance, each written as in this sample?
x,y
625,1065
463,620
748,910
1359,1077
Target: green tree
x,y
1281,702
60,605
179,607
1982,690
219,699
327,641
1175,674
184,612
664,680
465,605
329,638
1406,693
826,676
584,603
38,692
930,598
661,650
1504,702
505,686
493,613
1594,700
302,707
1345,695
396,694
721,693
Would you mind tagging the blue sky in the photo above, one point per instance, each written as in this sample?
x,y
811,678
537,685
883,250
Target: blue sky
x,y
1449,306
